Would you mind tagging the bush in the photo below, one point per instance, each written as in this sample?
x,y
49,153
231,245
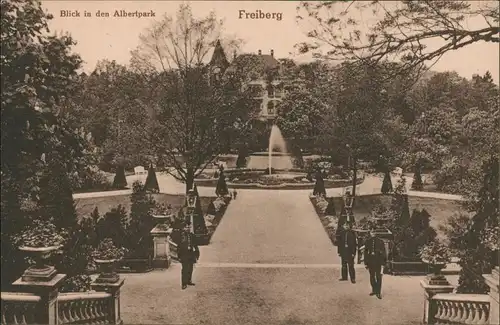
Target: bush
x,y
120,181
435,252
151,184
330,209
94,180
40,233
76,283
108,250
112,225
139,241
481,252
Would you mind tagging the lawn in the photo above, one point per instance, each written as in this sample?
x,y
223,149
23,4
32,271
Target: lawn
x,y
85,206
439,209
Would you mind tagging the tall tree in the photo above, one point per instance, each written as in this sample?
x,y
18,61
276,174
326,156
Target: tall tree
x,y
481,238
400,29
356,121
193,111
37,73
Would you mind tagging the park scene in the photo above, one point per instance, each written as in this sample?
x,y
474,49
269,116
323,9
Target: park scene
x,y
206,182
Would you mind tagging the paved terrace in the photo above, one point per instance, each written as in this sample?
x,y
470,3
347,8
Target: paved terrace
x,y
269,262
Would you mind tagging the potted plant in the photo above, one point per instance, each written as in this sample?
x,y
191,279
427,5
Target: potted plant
x,y
39,241
436,255
105,256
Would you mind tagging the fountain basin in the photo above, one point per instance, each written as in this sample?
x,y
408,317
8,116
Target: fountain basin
x,y
273,154
293,179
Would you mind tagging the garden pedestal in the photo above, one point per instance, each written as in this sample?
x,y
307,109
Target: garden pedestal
x,y
492,280
114,307
48,290
429,291
161,257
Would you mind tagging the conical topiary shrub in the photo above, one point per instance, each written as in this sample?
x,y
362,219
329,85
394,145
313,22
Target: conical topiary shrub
x,y
151,184
404,217
241,161
211,209
319,187
417,184
330,208
198,219
386,183
221,189
120,181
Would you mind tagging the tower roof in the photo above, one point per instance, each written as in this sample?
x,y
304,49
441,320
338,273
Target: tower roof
x,y
219,57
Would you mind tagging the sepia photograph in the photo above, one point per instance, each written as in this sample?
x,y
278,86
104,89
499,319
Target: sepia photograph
x,y
250,162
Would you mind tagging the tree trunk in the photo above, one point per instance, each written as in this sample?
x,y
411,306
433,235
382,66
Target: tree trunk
x,y
354,174
189,178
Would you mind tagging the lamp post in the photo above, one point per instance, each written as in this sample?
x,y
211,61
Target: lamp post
x,y
191,205
351,164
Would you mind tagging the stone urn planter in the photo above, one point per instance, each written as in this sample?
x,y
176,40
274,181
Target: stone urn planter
x,y
40,271
106,257
107,270
436,255
39,241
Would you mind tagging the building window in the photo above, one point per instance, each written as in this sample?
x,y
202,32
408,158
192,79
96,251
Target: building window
x,y
270,108
270,91
255,90
278,91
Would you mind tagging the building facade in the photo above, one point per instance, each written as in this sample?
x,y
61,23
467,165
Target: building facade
x,y
262,72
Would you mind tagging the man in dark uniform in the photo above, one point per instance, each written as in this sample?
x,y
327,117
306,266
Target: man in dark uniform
x,y
347,246
375,258
188,254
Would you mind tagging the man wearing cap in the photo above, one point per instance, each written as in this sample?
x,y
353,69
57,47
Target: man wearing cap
x,y
375,258
188,254
347,246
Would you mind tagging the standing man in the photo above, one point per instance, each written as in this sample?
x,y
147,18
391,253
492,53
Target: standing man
x,y
375,258
188,254
347,247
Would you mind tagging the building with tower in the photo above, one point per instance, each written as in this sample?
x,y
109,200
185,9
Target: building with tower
x,y
262,72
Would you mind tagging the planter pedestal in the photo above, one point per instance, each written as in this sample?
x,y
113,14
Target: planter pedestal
x,y
112,288
492,280
107,273
40,271
430,290
44,281
161,234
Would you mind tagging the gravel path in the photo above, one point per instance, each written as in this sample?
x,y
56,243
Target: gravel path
x,y
270,262
270,227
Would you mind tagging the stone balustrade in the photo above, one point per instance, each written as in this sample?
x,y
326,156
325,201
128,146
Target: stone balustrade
x,y
450,308
84,307
19,308
441,306
36,300
72,308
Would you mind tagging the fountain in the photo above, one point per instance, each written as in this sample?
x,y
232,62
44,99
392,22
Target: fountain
x,y
271,169
277,155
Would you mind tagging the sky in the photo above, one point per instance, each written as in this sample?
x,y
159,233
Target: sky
x,y
113,38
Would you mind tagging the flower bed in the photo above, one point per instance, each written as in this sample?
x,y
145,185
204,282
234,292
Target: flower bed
x,y
329,222
289,184
214,216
